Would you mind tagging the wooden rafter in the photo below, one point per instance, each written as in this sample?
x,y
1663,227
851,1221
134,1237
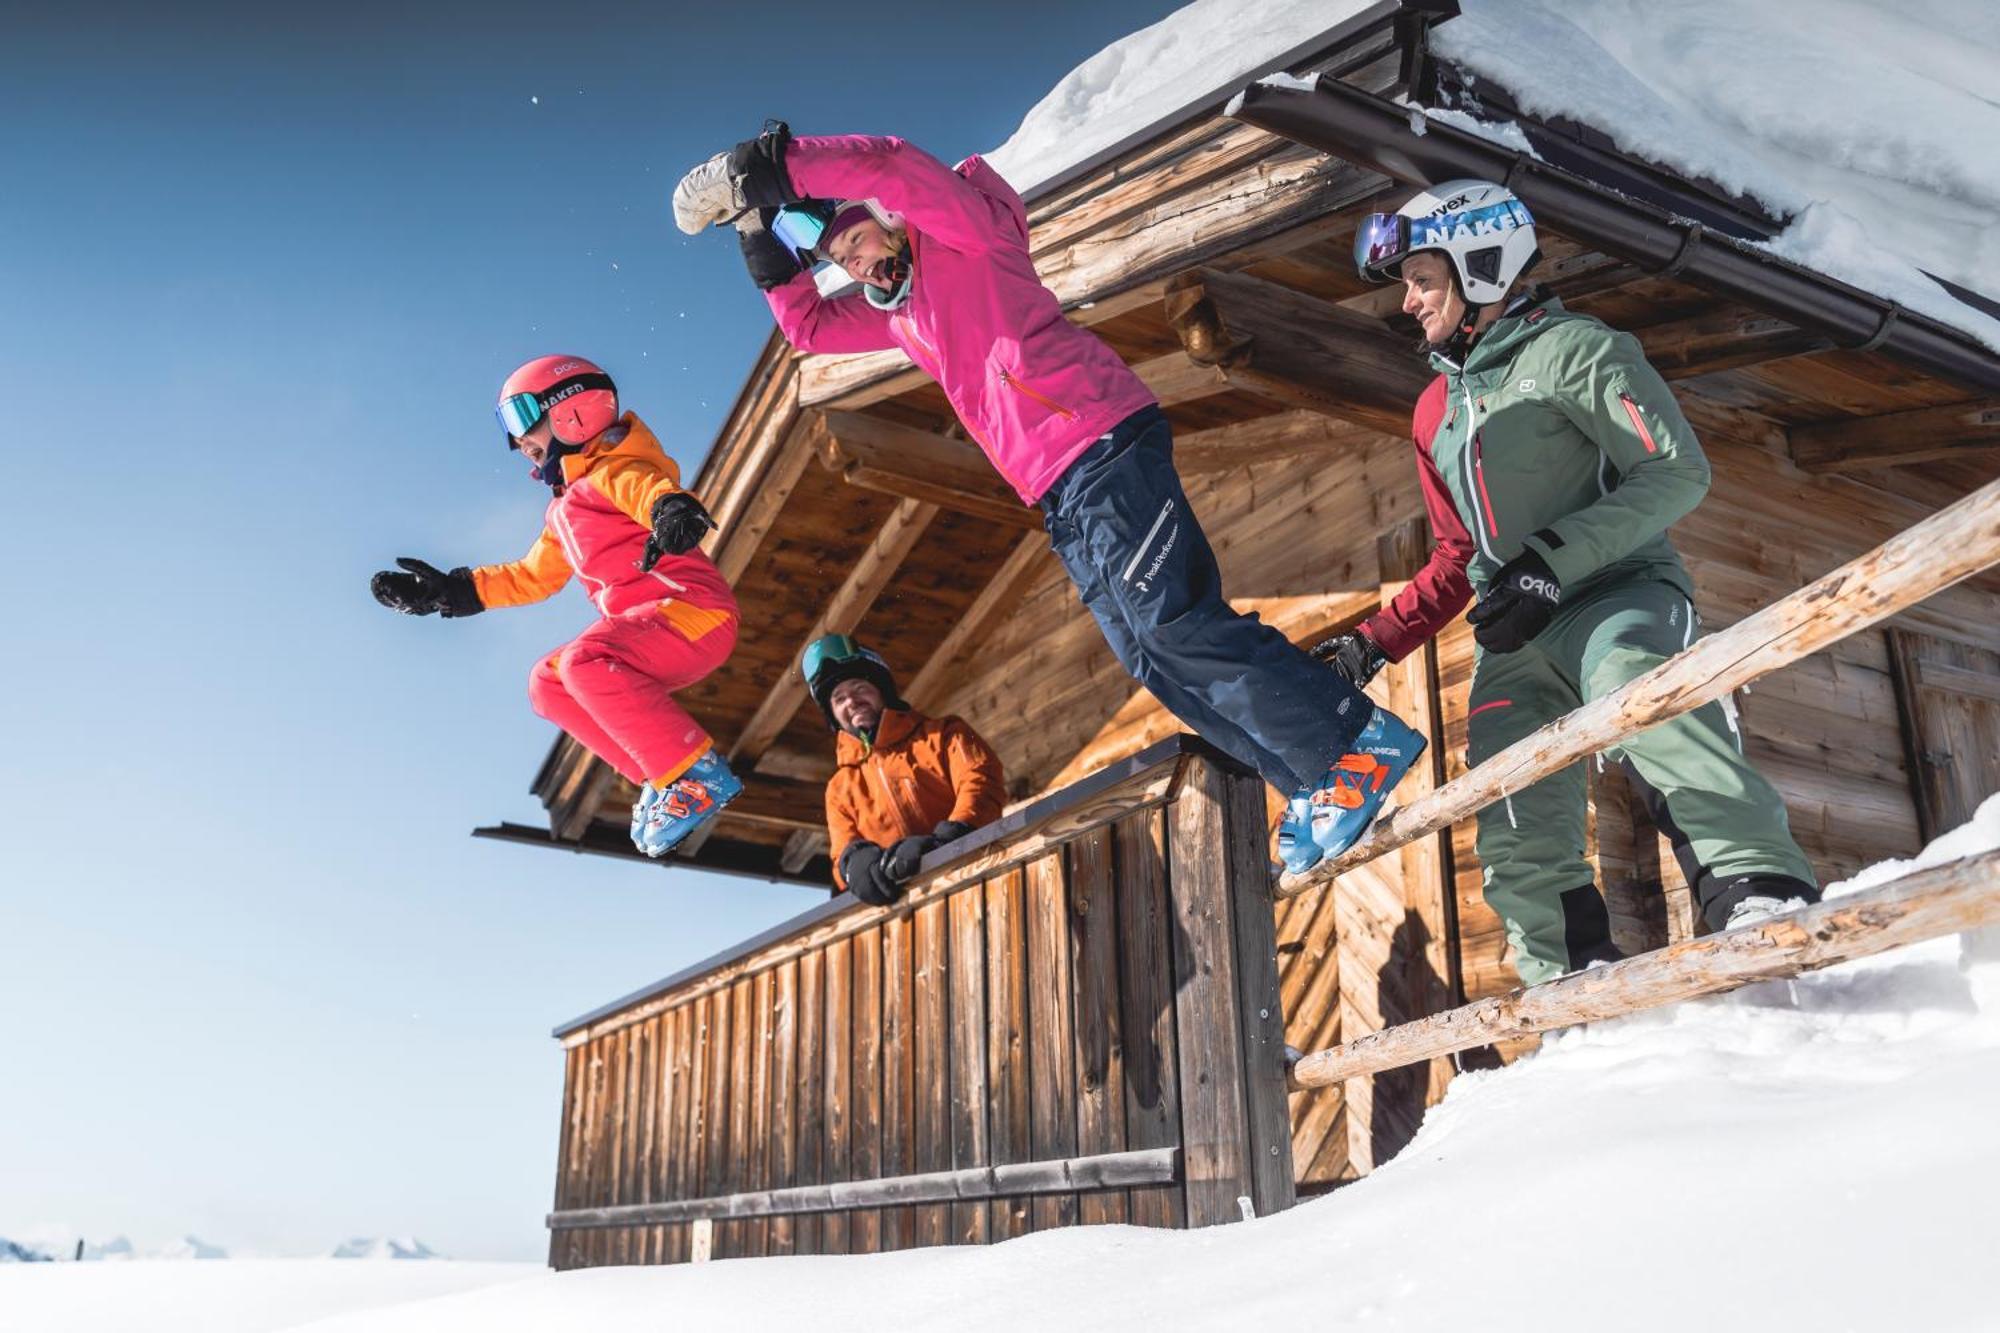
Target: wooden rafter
x,y
850,602
882,455
1263,439
1296,349
1001,595
1723,339
1955,430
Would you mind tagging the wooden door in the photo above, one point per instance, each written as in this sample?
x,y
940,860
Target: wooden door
x,y
1950,694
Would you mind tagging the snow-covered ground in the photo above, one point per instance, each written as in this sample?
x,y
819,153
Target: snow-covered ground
x,y
230,1296
1817,1154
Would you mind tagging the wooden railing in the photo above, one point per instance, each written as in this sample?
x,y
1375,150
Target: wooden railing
x,y
1950,545
1072,1017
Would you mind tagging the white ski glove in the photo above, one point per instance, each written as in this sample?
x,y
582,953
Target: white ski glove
x,y
707,196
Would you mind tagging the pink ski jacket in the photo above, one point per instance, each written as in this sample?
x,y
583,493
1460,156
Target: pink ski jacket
x,y
597,529
1032,389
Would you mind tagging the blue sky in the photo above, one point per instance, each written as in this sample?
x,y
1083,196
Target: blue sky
x,y
261,271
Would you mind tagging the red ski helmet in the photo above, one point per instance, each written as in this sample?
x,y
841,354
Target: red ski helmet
x,y
576,396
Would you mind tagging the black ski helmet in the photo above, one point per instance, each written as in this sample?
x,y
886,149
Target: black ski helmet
x,y
833,658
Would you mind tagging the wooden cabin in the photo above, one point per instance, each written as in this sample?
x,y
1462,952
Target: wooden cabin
x,y
1080,1015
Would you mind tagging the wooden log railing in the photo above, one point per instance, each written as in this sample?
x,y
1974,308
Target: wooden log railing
x,y
1942,900
1140,1166
1952,544
1071,1016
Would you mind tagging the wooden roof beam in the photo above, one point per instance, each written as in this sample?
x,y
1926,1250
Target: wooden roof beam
x,y
1955,430
1285,345
1263,439
998,599
918,464
844,610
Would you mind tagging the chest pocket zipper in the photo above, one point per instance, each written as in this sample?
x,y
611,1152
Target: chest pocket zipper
x,y
1007,378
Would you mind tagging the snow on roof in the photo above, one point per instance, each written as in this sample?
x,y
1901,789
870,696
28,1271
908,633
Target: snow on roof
x,y
1870,126
1207,49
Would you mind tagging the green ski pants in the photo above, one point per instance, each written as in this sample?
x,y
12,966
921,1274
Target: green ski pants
x,y
1725,820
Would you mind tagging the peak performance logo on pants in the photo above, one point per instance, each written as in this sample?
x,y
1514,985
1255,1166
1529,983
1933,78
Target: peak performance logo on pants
x,y
1144,583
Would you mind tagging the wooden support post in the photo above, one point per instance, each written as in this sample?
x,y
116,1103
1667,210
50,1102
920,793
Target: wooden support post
x,y
1951,544
801,847
920,464
1393,932
1956,430
1295,348
1943,900
850,602
1235,1125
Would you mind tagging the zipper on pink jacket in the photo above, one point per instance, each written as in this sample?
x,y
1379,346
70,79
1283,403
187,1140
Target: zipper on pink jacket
x,y
1007,378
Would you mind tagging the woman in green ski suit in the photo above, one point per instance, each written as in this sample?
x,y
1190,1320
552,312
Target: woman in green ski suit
x,y
1554,458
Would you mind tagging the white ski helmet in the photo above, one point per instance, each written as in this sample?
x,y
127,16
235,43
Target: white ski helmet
x,y
1486,233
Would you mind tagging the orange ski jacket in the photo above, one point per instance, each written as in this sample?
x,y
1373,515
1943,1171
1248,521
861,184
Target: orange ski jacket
x,y
919,772
596,529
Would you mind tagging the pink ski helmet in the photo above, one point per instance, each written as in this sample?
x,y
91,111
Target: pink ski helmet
x,y
576,395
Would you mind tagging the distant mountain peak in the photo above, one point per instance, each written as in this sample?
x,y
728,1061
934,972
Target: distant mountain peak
x,y
384,1247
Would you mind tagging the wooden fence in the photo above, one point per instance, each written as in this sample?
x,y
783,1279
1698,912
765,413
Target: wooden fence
x,y
1072,1017
1956,542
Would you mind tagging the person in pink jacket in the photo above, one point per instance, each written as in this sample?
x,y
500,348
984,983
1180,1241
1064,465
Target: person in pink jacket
x,y
619,522
942,258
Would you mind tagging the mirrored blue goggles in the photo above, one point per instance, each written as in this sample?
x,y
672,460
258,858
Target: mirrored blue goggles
x,y
801,226
1380,242
518,414
1384,240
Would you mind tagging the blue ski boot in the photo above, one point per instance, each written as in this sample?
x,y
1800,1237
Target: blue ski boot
x,y
688,802
641,808
1329,818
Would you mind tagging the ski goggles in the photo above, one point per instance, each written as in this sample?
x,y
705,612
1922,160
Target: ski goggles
x,y
801,226
1384,240
520,412
832,649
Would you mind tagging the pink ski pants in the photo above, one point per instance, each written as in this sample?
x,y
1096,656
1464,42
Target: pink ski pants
x,y
612,686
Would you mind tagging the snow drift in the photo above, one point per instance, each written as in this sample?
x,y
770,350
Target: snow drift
x,y
1802,1154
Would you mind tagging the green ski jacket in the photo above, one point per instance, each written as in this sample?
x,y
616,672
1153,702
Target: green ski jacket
x,y
1557,436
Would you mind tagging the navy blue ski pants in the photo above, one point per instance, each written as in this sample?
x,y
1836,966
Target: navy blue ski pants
x,y
1120,523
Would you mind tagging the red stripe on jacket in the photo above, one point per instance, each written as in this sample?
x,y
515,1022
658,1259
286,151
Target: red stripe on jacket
x,y
1440,590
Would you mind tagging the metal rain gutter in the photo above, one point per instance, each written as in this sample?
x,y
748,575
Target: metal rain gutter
x,y
1371,132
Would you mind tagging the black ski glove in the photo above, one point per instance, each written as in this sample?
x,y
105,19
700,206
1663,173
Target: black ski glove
x,y
757,167
678,523
771,262
1353,655
862,870
426,589
1518,604
904,858
950,830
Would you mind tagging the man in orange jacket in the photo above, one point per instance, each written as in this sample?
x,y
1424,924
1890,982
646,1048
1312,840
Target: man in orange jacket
x,y
906,783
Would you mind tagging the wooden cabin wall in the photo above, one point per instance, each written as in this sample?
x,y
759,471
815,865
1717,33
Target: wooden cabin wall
x,y
1097,991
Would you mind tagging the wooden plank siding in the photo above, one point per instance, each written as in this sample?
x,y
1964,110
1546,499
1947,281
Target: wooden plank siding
x,y
1069,1005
